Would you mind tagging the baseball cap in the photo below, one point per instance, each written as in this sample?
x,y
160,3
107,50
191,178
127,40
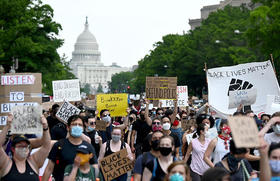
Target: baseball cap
x,y
83,148
19,138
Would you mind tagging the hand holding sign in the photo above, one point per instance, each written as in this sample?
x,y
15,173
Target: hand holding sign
x,y
44,122
10,119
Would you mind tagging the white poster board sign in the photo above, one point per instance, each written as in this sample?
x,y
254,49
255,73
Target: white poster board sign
x,y
272,104
182,93
244,97
256,75
27,120
66,90
66,110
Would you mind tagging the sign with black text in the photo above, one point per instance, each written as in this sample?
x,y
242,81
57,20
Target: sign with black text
x,y
158,88
66,110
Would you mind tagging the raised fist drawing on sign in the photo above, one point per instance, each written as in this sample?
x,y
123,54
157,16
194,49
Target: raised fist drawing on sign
x,y
237,84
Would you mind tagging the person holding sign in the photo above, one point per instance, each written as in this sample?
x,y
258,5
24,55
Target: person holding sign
x,y
235,164
81,169
64,151
115,145
23,166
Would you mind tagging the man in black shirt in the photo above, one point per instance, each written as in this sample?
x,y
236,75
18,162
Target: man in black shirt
x,y
52,120
64,151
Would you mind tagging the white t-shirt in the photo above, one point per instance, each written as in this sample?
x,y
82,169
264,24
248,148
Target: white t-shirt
x,y
272,137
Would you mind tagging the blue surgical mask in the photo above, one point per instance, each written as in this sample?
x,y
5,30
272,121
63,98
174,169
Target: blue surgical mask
x,y
76,131
176,177
90,129
116,138
107,118
275,166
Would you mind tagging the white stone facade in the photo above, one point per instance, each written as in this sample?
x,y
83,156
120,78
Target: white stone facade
x,y
86,62
206,10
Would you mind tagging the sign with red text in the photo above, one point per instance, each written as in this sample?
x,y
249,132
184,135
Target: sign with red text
x,y
20,89
115,165
182,93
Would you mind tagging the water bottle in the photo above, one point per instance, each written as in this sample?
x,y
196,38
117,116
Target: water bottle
x,y
96,137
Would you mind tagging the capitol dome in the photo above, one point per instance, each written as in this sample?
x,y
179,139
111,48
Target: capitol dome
x,y
86,43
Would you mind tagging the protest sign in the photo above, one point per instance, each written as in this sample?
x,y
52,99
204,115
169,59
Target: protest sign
x,y
158,88
115,165
182,93
224,80
17,90
66,110
66,90
272,104
115,103
244,97
100,125
244,131
27,120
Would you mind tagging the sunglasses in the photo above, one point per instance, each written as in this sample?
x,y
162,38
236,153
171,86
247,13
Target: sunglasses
x,y
92,123
157,123
106,115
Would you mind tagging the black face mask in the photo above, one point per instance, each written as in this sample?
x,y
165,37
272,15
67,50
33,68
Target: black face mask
x,y
130,119
142,116
165,151
154,145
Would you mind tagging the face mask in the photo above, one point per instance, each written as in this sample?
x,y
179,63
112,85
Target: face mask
x,y
155,145
207,125
276,128
142,117
233,162
130,119
156,127
176,177
107,118
154,112
84,158
90,129
166,126
226,129
76,131
165,151
207,134
275,166
176,123
22,152
116,138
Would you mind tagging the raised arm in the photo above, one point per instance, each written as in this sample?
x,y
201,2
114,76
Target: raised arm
x,y
40,156
147,118
209,151
125,122
173,116
270,123
265,172
4,157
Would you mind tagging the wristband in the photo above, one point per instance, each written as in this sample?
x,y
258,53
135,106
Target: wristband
x,y
46,129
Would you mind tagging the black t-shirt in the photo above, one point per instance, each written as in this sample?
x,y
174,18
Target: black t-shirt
x,y
146,144
91,135
159,173
142,128
63,153
176,139
52,121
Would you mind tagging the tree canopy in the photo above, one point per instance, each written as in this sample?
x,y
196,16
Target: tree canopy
x,y
29,34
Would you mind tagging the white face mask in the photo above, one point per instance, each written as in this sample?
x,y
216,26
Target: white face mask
x,y
207,134
22,152
166,126
276,128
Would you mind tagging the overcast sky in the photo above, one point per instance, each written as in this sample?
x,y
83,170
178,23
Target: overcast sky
x,y
124,29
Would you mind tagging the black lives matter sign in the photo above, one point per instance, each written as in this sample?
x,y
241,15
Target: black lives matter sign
x,y
66,110
158,88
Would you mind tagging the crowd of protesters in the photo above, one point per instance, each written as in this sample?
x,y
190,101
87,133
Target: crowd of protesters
x,y
162,147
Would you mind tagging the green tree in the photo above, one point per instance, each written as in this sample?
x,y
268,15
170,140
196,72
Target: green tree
x,y
99,89
29,34
86,89
120,81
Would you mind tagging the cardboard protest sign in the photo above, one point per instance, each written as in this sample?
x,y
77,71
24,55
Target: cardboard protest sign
x,y
116,165
17,90
66,90
182,93
272,104
27,120
244,131
158,88
224,80
66,110
100,125
115,103
244,97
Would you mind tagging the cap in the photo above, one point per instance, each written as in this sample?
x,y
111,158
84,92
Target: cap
x,y
19,138
83,148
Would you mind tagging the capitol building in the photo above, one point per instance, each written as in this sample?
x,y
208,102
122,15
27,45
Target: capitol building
x,y
86,62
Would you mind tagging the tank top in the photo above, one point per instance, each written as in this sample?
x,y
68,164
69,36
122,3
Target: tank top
x,y
14,175
220,150
108,150
198,165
